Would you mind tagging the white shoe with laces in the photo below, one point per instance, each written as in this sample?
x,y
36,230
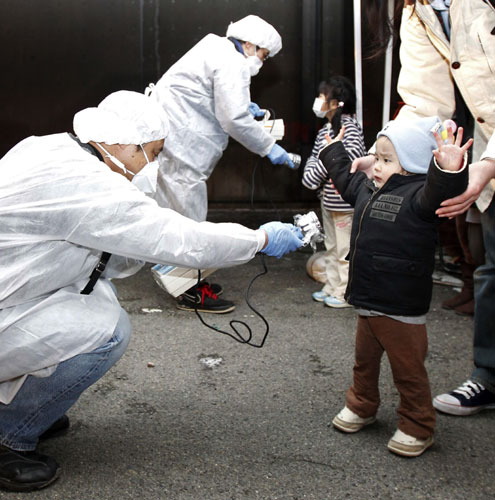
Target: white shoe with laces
x,y
408,446
348,421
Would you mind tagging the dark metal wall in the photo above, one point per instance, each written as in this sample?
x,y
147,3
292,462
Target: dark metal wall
x,y
59,56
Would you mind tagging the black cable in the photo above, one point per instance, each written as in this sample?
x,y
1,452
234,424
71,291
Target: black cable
x,y
268,196
253,185
256,163
263,182
273,117
237,335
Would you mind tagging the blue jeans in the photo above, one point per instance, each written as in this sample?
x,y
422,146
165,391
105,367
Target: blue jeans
x,y
484,311
42,401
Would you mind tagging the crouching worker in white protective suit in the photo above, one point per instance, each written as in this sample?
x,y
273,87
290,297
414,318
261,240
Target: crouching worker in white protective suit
x,y
207,97
64,200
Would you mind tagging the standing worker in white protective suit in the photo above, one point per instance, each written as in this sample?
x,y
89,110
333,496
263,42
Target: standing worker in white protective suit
x,y
206,95
64,200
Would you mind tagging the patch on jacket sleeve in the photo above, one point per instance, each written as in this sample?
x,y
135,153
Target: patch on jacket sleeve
x,y
386,207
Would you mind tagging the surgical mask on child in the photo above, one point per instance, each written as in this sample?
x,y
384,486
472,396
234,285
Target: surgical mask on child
x,y
254,64
317,108
145,180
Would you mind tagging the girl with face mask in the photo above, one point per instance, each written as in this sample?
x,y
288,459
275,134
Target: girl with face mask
x,y
336,103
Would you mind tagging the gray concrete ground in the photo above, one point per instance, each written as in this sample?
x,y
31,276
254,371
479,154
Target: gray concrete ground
x,y
256,425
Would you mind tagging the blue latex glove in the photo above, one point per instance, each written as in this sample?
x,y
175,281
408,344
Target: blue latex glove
x,y
255,110
282,238
279,156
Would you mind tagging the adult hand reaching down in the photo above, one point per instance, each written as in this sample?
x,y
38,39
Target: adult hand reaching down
x,y
480,174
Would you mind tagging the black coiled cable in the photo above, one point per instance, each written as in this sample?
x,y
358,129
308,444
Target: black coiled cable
x,y
235,323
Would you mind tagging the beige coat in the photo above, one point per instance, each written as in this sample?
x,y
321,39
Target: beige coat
x,y
430,63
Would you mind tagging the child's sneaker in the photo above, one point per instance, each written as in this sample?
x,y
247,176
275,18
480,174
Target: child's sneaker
x,y
408,446
468,399
335,302
320,296
348,421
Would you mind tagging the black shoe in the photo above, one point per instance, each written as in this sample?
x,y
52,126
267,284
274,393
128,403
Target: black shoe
x,y
203,299
58,428
215,288
26,470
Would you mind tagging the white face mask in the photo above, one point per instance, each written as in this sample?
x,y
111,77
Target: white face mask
x,y
145,180
115,161
317,105
254,63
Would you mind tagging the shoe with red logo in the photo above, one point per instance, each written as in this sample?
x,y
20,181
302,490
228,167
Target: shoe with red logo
x,y
203,299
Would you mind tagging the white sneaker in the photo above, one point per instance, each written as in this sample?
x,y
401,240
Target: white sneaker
x,y
335,302
320,296
408,446
348,421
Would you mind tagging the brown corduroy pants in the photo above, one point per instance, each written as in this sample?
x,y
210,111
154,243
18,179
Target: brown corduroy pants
x,y
406,346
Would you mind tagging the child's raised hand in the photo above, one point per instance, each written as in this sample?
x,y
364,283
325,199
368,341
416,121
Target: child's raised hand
x,y
450,156
338,137
364,164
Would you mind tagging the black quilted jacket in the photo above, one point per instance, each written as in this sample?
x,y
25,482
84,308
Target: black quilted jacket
x,y
394,232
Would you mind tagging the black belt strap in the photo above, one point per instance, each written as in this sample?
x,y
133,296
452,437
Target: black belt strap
x,y
100,267
97,271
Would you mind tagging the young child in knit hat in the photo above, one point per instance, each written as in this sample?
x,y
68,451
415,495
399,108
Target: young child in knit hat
x,y
391,263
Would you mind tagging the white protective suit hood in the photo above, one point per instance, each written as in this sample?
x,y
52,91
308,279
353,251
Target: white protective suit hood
x,y
123,117
255,30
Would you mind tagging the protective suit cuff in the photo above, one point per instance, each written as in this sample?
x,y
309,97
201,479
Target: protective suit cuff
x,y
260,236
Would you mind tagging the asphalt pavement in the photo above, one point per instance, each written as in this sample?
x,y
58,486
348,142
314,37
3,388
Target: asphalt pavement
x,y
189,413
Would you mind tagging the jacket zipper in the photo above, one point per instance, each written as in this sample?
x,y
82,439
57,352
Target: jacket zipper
x,y
356,240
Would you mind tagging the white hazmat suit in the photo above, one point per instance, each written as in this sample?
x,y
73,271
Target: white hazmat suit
x,y
60,208
206,95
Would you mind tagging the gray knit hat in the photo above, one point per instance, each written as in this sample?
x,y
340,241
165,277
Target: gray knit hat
x,y
413,141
